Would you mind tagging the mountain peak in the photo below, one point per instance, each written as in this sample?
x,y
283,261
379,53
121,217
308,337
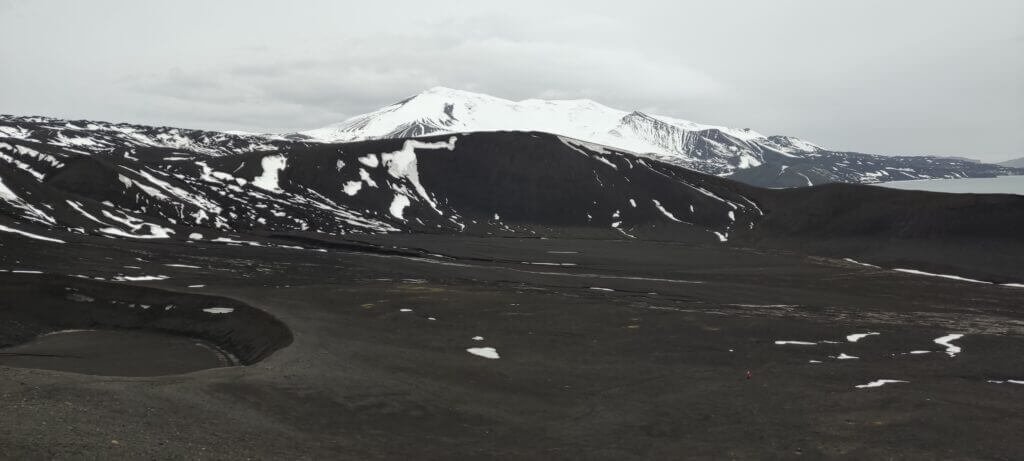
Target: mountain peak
x,y
453,95
444,110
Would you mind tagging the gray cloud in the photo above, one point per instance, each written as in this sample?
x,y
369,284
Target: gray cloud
x,y
903,77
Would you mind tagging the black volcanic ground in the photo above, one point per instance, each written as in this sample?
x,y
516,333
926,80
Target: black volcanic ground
x,y
651,339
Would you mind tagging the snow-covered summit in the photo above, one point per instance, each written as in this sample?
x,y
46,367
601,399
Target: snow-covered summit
x,y
444,110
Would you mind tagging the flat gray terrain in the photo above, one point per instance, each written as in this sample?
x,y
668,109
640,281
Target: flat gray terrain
x,y
606,349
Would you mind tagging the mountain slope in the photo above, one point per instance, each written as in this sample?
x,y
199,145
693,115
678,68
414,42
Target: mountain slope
x,y
120,186
524,184
771,161
1015,163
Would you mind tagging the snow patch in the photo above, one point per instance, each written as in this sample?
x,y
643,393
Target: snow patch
x,y
879,383
665,212
218,310
945,276
272,166
951,349
858,336
12,230
370,160
352,187
139,278
485,352
398,205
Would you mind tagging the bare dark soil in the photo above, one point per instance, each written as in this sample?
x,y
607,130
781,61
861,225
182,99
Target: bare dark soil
x,y
623,350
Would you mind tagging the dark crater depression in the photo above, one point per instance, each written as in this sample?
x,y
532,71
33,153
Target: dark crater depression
x,y
98,328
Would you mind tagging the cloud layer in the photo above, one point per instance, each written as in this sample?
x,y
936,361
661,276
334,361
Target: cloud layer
x,y
917,77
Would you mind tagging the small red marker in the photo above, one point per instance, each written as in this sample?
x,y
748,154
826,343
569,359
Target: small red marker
x,y
749,374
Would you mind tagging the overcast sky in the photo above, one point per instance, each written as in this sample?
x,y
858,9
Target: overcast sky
x,y
888,76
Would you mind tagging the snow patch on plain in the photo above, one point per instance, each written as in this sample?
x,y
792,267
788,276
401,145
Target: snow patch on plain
x,y
945,276
947,341
858,336
485,352
879,383
218,310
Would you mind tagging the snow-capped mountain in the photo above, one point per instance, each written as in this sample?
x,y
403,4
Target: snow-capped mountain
x,y
746,155
128,181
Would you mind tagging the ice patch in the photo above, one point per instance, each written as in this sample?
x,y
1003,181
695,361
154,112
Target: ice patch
x,y
365,177
478,338
235,242
272,166
398,206
796,343
352,187
139,278
12,230
155,231
843,356
945,276
35,214
947,341
665,212
879,383
601,289
485,352
851,260
195,236
218,310
858,336
370,160
402,164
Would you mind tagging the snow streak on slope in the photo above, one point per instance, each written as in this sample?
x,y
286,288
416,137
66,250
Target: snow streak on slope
x,y
118,188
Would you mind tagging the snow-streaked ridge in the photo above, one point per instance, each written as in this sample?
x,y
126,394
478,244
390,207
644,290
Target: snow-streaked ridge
x,y
442,110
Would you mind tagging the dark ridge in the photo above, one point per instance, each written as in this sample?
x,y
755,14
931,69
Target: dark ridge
x,y
524,184
973,235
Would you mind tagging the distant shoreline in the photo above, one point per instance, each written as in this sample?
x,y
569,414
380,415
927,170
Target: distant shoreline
x,y
1007,184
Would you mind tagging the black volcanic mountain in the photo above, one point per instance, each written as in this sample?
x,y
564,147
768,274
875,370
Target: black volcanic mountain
x,y
135,182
